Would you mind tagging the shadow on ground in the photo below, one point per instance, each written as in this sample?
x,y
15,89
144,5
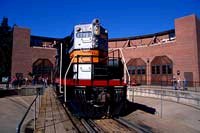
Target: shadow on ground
x,y
5,93
23,91
132,107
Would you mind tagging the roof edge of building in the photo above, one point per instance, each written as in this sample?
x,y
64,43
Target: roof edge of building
x,y
142,36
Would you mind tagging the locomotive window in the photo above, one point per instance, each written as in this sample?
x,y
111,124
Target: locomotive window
x,y
84,34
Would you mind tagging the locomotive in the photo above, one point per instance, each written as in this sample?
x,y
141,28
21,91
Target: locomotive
x,y
90,76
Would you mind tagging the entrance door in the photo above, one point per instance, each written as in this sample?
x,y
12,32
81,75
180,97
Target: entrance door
x,y
42,68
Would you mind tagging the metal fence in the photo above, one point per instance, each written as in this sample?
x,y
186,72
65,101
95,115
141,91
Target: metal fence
x,y
165,93
28,121
181,85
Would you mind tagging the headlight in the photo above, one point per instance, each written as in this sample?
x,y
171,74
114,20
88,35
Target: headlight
x,y
78,29
95,21
97,30
106,31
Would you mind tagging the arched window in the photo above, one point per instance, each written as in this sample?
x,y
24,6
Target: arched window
x,y
161,70
137,70
42,67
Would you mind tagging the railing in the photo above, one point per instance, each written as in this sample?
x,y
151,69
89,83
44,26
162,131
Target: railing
x,y
193,86
19,126
163,93
126,72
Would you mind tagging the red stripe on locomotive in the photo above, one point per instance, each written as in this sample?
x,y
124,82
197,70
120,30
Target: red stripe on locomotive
x,y
73,82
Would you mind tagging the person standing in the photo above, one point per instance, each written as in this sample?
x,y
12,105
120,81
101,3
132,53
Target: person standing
x,y
179,83
33,80
45,82
26,81
184,84
174,83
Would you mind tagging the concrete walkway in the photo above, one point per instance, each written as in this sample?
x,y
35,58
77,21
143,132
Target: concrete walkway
x,y
181,114
12,110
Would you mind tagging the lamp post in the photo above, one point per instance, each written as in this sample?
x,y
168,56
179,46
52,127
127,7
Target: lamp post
x,y
60,67
148,71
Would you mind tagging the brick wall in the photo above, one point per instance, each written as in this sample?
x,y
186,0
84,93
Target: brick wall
x,y
182,51
23,56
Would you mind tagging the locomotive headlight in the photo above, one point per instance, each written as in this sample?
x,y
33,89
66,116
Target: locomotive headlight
x,y
96,30
95,21
106,31
78,29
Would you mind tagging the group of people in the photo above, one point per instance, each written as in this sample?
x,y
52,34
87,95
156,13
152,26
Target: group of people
x,y
179,84
40,80
16,81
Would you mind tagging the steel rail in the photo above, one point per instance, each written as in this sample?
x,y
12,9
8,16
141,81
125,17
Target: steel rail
x,y
91,126
132,125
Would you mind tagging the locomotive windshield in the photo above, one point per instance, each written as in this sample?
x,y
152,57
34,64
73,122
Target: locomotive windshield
x,y
86,34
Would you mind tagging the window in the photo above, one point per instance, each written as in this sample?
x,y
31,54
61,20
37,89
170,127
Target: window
x,y
164,69
131,70
143,70
84,34
169,69
139,70
171,36
153,70
157,69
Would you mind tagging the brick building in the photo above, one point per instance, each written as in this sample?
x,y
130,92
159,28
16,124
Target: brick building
x,y
164,55
31,54
150,58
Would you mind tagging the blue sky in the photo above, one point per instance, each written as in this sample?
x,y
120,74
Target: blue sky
x,y
122,18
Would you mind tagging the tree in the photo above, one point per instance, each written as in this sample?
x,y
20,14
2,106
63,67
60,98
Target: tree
x,y
5,48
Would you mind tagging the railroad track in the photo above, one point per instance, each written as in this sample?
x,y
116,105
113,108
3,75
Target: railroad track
x,y
91,126
112,125
132,125
104,125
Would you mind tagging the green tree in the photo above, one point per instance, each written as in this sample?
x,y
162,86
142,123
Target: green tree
x,y
5,48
